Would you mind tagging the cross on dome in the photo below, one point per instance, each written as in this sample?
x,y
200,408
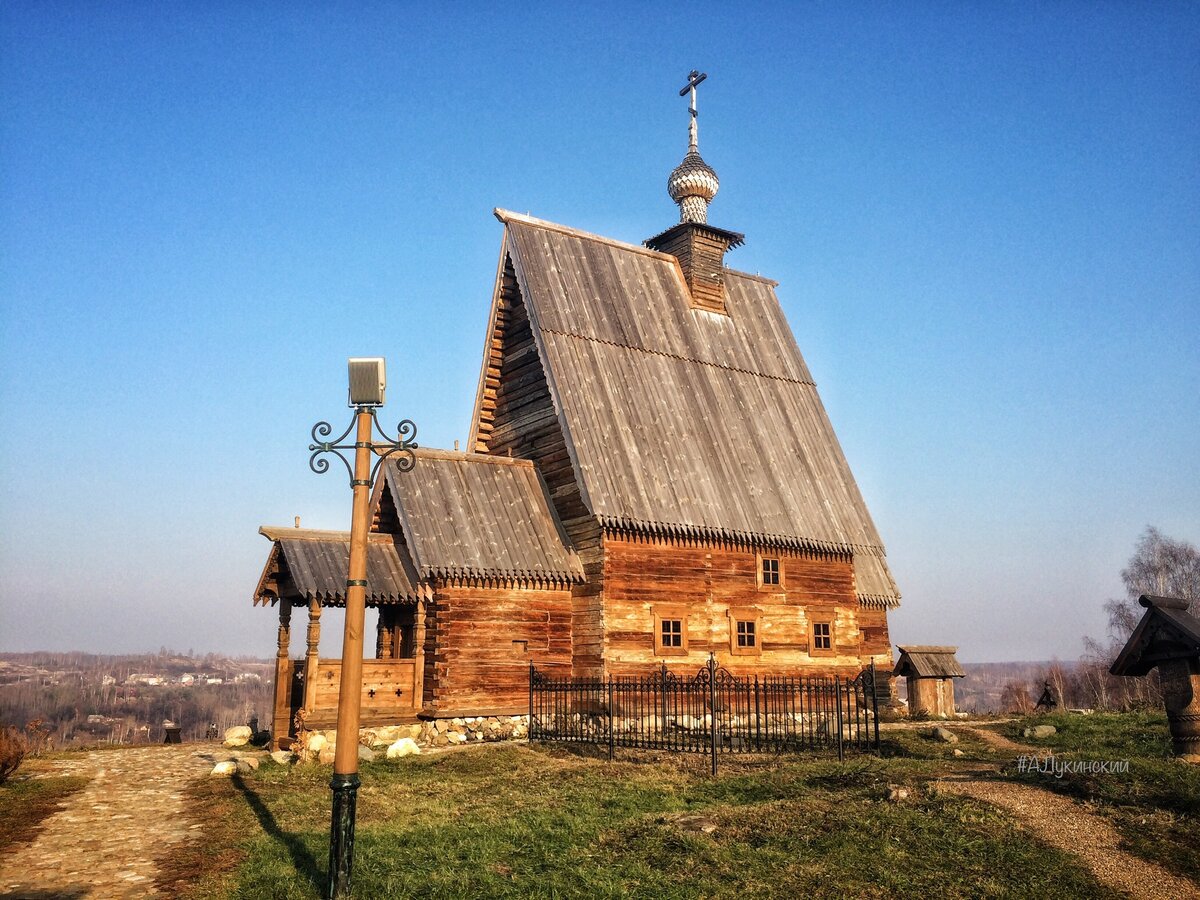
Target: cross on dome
x,y
693,183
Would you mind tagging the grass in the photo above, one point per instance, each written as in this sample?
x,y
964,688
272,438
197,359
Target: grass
x,y
1155,805
26,802
516,821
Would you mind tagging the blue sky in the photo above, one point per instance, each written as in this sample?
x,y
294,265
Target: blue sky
x,y
985,222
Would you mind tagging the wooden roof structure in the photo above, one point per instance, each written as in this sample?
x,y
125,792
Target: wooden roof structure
x,y
1166,632
681,422
306,564
928,662
477,516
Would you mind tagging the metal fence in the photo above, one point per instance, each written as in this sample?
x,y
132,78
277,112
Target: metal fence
x,y
710,712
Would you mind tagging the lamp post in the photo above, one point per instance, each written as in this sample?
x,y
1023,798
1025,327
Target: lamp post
x,y
367,387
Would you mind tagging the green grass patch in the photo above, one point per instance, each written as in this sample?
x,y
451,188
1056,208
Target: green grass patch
x,y
26,802
515,821
1113,736
1155,805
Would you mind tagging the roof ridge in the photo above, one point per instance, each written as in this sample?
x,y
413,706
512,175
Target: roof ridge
x,y
466,456
291,533
690,359
508,217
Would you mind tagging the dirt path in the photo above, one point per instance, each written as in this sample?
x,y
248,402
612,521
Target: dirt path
x,y
1065,824
104,842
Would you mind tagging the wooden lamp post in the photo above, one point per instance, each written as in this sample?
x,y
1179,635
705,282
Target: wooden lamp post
x,y
367,387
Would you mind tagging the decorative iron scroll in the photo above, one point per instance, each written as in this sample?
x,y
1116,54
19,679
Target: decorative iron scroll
x,y
401,446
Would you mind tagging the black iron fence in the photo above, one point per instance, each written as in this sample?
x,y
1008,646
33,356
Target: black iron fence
x,y
710,712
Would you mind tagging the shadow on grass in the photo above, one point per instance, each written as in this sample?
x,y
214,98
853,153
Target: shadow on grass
x,y
38,894
302,859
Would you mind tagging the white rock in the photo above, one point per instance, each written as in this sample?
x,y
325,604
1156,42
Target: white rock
x,y
228,767
325,757
316,742
283,757
247,765
238,735
403,747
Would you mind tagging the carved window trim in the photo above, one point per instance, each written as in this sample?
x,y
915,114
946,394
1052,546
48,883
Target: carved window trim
x,y
820,632
670,614
769,567
745,616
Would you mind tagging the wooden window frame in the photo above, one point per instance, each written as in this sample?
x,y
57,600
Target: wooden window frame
x,y
763,584
670,613
814,650
745,615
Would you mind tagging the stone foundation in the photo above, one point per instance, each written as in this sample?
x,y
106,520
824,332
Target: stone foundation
x,y
319,745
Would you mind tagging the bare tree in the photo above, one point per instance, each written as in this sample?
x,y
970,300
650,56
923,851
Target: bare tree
x,y
1015,698
1161,566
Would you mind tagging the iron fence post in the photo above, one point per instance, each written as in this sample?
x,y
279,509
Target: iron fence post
x,y
612,740
837,692
712,701
531,734
875,705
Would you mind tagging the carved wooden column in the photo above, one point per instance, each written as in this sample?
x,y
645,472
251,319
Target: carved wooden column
x,y
386,637
281,725
419,657
1181,695
311,654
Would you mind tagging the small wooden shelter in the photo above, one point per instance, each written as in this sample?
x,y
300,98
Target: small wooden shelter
x,y
929,673
1168,636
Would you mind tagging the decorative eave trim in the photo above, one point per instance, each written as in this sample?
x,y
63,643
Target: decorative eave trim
x,y
503,581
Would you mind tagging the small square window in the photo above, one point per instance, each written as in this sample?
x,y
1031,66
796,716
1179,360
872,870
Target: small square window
x,y
822,636
746,636
672,632
521,647
770,570
745,631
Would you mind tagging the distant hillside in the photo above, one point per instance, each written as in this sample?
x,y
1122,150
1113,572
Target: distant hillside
x,y
84,698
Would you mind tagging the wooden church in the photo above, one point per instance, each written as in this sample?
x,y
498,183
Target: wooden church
x,y
650,478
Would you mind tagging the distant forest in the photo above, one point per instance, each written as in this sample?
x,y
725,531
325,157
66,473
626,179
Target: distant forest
x,y
83,699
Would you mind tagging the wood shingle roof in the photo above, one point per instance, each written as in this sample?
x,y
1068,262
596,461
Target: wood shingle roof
x,y
307,564
681,421
471,515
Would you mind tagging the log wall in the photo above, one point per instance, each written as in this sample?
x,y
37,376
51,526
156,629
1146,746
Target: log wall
x,y
517,418
709,582
479,642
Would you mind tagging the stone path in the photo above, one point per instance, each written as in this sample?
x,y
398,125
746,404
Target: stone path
x,y
104,841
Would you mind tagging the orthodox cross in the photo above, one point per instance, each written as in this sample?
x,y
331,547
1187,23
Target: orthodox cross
x,y
694,78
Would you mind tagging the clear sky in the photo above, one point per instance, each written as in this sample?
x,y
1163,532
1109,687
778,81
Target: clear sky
x,y
984,218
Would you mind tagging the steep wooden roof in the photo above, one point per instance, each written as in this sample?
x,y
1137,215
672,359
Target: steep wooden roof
x,y
308,564
685,422
1166,632
472,515
929,662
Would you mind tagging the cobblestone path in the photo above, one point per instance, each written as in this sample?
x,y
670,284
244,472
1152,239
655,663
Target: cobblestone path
x,y
104,842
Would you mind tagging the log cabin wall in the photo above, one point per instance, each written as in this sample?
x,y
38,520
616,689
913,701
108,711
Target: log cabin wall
x,y
714,586
701,255
480,640
516,417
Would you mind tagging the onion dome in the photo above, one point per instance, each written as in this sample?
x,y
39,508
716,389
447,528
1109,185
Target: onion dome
x,y
692,185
